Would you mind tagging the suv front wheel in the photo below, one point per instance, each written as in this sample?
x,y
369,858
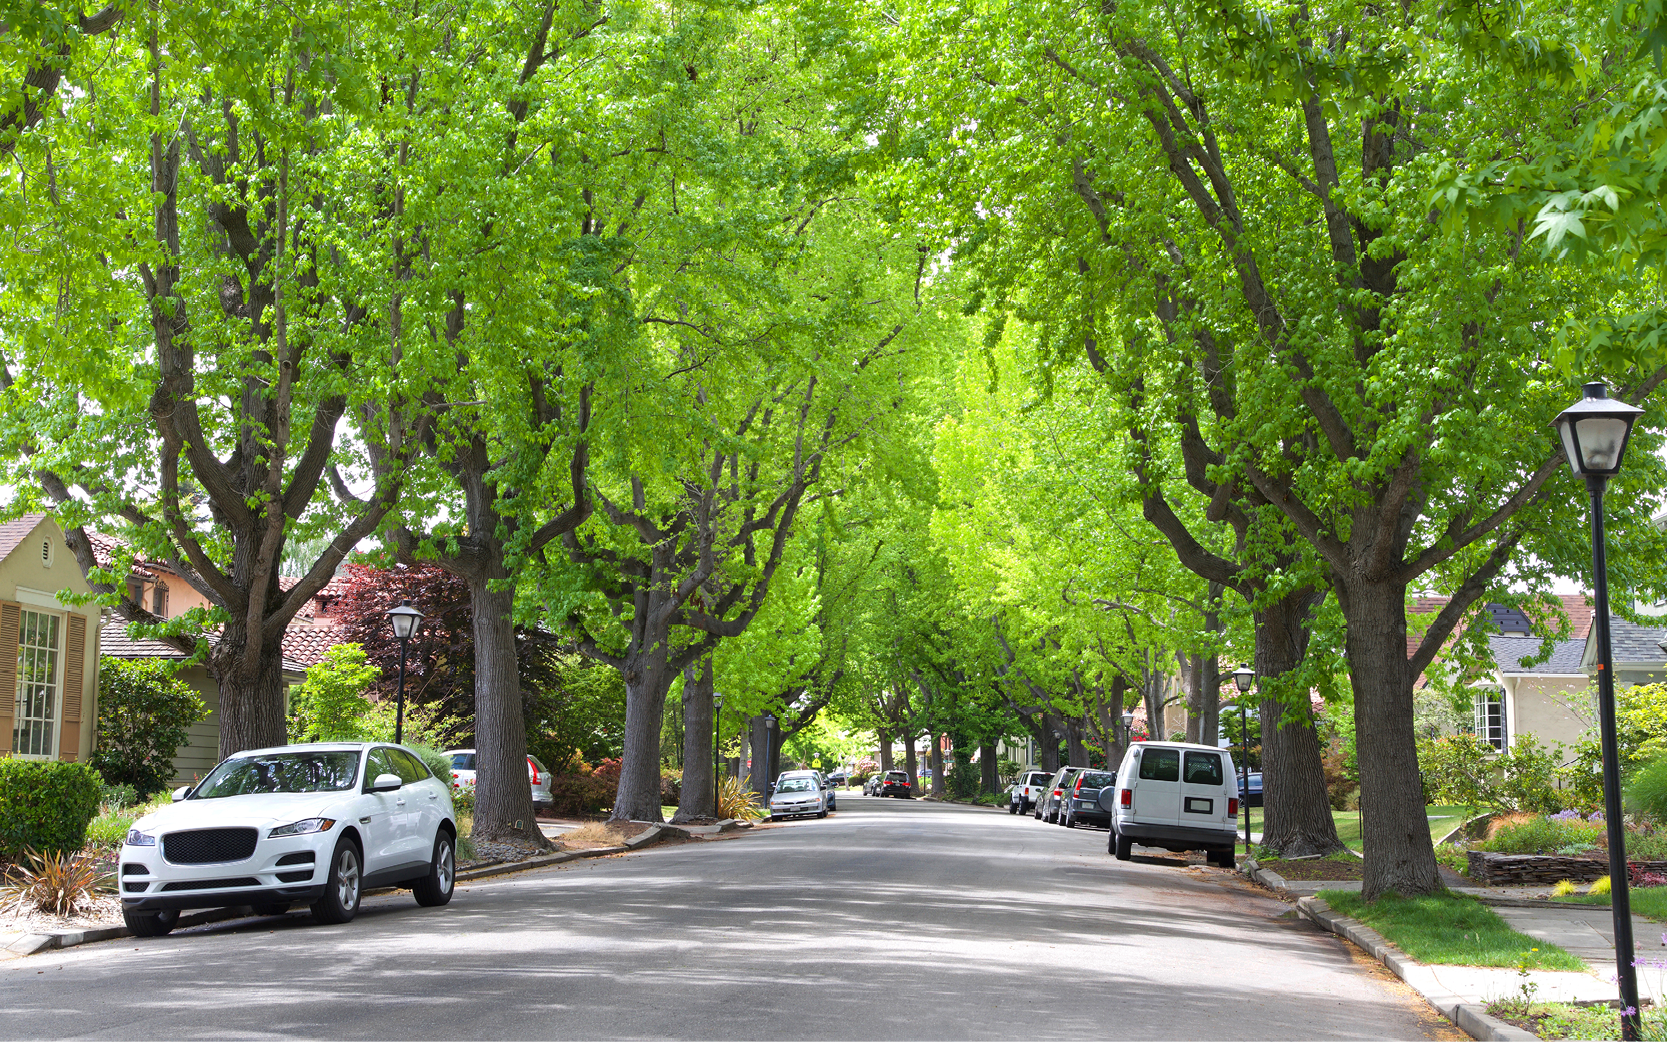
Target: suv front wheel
x,y
342,888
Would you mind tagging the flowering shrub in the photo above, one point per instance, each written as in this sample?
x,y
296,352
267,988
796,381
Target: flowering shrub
x,y
1640,878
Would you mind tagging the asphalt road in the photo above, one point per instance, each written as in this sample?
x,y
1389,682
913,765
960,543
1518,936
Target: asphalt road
x,y
890,919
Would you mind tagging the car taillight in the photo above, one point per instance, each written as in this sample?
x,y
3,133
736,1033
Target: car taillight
x,y
1125,798
1232,807
1058,792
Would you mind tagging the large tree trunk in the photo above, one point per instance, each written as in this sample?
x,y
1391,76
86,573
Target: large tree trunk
x,y
251,703
1075,749
885,750
1394,830
696,799
1296,811
503,799
1209,710
1114,708
909,764
934,756
1047,745
647,679
989,779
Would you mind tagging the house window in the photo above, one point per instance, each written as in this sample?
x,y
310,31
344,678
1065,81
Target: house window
x,y
1490,716
159,601
37,685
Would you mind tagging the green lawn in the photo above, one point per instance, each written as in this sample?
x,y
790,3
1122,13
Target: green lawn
x,y
1651,902
1442,821
1451,930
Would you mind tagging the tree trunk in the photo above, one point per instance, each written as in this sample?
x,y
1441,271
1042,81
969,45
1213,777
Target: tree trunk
x,y
885,751
1394,830
503,799
1047,745
251,704
1194,667
696,799
1209,724
1077,752
909,762
934,756
989,779
647,679
1119,689
1296,812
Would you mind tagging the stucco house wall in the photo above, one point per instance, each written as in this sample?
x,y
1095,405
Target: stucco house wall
x,y
1547,707
49,690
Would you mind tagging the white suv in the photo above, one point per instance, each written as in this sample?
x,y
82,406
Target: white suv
x,y
538,775
269,827
1027,791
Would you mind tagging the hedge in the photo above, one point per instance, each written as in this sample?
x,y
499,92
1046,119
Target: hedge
x,y
46,805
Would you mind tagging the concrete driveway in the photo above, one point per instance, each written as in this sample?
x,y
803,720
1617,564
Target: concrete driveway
x,y
888,919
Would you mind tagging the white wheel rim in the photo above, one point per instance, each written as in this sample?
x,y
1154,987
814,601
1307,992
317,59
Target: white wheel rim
x,y
443,865
347,880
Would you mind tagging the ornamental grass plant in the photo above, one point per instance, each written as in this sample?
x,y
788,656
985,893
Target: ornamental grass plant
x,y
57,884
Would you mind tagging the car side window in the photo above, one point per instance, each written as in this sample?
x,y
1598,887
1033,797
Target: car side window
x,y
1203,769
408,767
376,764
1160,765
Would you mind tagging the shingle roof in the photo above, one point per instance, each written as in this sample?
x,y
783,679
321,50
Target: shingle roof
x,y
113,642
14,532
1510,652
1631,642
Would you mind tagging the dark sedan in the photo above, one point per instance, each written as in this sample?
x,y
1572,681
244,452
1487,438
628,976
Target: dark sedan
x,y
1251,793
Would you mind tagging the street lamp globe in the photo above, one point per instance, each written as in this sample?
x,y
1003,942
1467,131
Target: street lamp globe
x,y
1243,677
1128,720
1595,431
404,619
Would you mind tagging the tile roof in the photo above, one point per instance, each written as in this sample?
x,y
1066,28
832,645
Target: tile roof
x,y
307,646
1510,652
14,532
113,642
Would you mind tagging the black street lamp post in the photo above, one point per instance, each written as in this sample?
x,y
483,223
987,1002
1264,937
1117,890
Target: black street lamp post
x,y
717,731
770,752
404,620
1128,729
1594,432
1243,678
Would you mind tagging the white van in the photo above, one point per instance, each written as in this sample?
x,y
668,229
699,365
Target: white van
x,y
1175,796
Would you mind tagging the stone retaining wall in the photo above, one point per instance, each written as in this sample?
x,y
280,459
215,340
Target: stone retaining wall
x,y
1489,869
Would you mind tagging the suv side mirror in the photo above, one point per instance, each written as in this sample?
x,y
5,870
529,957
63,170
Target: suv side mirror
x,y
181,792
385,783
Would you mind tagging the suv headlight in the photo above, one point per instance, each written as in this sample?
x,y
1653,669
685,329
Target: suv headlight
x,y
304,827
135,838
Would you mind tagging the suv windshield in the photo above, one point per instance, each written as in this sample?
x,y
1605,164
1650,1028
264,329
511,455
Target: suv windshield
x,y
281,772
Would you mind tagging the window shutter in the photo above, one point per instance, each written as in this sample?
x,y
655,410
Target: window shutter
x,y
75,654
10,616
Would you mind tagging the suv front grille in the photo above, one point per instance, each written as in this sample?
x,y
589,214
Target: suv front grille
x,y
209,846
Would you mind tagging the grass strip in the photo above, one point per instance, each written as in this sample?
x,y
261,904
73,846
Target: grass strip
x,y
1650,902
1451,930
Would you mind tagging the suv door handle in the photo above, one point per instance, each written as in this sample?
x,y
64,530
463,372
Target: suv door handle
x,y
399,803
433,795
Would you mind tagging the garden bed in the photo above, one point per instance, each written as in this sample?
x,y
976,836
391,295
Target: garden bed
x,y
1342,868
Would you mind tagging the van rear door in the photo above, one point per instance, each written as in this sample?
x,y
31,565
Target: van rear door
x,y
1204,790
1157,789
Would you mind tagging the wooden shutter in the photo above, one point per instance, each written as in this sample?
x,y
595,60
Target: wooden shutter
x,y
75,656
11,615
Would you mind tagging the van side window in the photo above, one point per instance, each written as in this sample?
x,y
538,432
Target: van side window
x,y
1160,765
1203,769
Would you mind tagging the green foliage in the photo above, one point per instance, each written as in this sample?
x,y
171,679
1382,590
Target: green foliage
x,y
1465,770
1646,791
1536,834
438,763
330,704
58,884
46,805
962,780
117,797
1451,930
145,713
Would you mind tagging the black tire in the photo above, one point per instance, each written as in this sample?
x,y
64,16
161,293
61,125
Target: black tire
x,y
1222,858
822,814
435,889
270,908
1122,847
1013,808
1068,821
343,885
151,924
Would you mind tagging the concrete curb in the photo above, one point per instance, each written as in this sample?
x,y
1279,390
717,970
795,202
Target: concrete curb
x,y
56,940
652,834
1470,1017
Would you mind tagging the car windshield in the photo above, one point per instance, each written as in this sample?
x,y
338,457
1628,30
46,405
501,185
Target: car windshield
x,y
281,772
796,785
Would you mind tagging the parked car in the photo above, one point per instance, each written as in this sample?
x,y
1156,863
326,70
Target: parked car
x,y
1175,796
317,823
839,779
896,783
1026,791
1054,793
821,782
1081,805
463,773
798,795
1251,794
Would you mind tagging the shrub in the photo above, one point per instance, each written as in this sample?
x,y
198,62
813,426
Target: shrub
x,y
737,802
117,797
46,805
145,713
1646,791
572,795
330,705
1464,770
1533,834
437,762
57,884
463,800
671,788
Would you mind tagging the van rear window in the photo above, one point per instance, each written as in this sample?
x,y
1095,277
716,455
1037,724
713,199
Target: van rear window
x,y
1160,765
1203,769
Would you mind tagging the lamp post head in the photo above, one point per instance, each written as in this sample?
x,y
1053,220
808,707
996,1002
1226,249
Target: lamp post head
x,y
1128,719
1595,431
404,619
1243,678
770,721
717,701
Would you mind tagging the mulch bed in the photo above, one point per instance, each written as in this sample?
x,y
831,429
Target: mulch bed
x,y
1320,868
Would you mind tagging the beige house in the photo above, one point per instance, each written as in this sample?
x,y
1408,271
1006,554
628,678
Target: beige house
x,y
48,649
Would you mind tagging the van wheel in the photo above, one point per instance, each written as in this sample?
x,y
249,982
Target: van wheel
x,y
1122,847
1222,858
151,924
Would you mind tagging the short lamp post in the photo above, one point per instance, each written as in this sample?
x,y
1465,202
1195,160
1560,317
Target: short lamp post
x,y
1128,730
770,752
1595,432
717,757
1244,678
404,620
